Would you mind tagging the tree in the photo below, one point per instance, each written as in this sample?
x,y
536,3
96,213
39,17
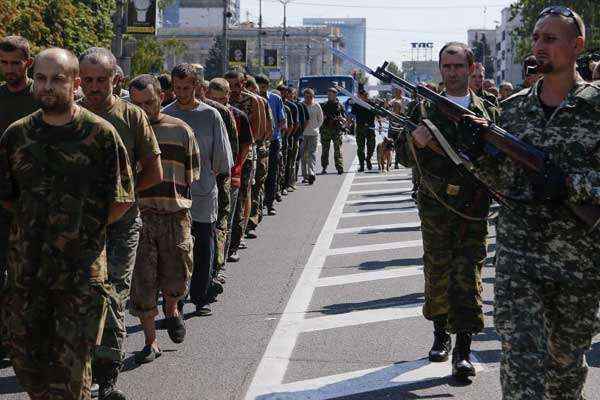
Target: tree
x,y
214,62
530,9
72,24
149,56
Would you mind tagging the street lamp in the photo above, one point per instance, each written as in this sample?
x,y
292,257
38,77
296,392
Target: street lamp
x,y
285,55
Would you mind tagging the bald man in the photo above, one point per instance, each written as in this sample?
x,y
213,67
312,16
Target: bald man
x,y
65,176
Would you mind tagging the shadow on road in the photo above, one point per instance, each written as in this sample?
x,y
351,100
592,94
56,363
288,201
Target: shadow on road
x,y
395,230
385,194
342,308
402,262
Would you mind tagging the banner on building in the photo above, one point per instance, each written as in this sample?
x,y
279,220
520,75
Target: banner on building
x,y
141,17
270,58
237,52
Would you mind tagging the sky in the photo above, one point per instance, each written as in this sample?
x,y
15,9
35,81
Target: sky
x,y
391,24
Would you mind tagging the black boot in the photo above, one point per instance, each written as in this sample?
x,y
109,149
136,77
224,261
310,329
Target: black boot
x,y
107,380
462,368
442,343
362,168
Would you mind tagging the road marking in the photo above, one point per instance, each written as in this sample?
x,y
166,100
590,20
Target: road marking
x,y
410,210
374,247
362,317
390,191
378,228
382,183
378,200
390,273
392,175
273,365
368,380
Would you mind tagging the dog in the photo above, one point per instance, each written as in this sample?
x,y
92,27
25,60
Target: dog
x,y
384,154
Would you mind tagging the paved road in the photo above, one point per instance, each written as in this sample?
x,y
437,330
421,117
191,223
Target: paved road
x,y
326,304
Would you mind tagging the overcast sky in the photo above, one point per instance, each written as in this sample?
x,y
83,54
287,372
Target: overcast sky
x,y
391,24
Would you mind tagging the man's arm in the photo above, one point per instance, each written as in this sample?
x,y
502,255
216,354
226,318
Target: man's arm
x,y
222,156
151,173
117,210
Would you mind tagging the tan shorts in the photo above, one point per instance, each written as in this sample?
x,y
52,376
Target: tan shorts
x,y
164,261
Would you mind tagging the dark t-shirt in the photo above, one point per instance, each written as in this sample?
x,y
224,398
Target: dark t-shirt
x,y
243,125
14,106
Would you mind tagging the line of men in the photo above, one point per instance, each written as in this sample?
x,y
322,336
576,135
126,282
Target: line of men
x,y
108,203
547,284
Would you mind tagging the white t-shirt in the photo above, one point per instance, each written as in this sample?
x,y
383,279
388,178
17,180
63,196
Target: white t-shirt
x,y
464,101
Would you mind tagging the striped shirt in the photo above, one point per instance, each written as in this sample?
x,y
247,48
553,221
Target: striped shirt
x,y
180,159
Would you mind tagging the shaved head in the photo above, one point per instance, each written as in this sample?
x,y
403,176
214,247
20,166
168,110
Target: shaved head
x,y
100,56
59,56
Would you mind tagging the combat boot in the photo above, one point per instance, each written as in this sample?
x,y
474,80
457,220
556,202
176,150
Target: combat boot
x,y
462,368
442,343
107,380
362,168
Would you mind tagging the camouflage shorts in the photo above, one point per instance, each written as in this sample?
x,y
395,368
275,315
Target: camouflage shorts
x,y
50,338
164,261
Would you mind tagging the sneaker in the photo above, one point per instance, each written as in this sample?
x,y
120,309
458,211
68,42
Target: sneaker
x,y
243,245
324,172
278,198
203,311
221,278
176,328
291,189
369,165
233,257
251,234
147,355
284,192
272,211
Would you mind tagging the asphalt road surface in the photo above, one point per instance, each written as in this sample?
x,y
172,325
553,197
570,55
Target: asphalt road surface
x,y
326,304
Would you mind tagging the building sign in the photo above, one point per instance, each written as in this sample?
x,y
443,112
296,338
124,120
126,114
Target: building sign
x,y
237,52
141,17
422,45
270,58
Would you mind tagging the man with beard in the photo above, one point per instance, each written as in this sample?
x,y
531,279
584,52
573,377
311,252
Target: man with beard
x,y
216,159
453,212
16,101
66,177
98,69
547,286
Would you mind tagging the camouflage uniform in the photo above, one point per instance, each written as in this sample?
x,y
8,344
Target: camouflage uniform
x,y
454,247
365,133
547,287
332,132
135,131
262,166
61,182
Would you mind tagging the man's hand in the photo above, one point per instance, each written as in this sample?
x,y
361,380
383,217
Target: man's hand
x,y
421,136
470,135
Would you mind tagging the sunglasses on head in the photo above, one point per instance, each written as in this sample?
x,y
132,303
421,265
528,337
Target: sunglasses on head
x,y
565,12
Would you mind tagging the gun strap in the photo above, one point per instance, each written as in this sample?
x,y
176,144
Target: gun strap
x,y
430,189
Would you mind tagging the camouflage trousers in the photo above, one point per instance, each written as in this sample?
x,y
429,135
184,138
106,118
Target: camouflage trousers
x,y
291,167
327,137
4,233
121,248
50,337
223,217
286,141
546,322
258,189
364,135
239,222
454,251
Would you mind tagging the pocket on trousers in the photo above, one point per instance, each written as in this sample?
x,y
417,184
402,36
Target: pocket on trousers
x,y
185,252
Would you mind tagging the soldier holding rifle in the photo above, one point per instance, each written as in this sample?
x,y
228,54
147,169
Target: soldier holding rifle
x,y
547,267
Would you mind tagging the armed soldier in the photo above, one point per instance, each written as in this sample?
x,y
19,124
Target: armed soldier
x,y
365,132
547,269
453,212
332,130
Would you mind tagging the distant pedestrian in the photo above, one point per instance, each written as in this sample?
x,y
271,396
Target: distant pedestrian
x,y
311,136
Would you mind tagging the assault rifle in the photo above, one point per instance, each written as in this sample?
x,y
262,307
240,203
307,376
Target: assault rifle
x,y
528,156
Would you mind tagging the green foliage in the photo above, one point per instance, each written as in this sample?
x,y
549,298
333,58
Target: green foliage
x,y
530,10
72,24
214,64
149,56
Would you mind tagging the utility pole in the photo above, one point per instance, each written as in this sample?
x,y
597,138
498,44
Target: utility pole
x,y
285,53
260,25
307,72
225,47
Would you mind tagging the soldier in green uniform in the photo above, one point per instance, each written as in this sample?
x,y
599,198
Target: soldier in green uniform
x,y
332,130
132,125
547,287
16,101
66,177
365,132
453,211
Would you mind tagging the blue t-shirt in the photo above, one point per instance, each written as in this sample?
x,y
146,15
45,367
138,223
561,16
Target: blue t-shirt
x,y
278,112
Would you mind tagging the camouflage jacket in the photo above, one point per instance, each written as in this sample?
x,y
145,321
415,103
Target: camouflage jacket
x,y
61,182
439,171
571,140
